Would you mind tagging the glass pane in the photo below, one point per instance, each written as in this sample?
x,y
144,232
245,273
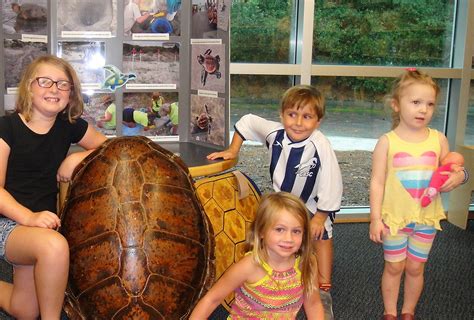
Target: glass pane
x,y
469,134
260,31
360,32
356,116
259,95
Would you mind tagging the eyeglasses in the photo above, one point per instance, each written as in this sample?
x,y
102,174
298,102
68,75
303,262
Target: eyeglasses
x,y
62,85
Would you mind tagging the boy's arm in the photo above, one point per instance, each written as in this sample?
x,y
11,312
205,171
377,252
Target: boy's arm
x,y
317,224
377,185
232,152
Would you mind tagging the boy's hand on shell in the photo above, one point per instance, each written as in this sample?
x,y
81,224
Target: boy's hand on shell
x,y
226,155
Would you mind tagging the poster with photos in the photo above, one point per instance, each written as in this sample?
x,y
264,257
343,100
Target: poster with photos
x,y
204,19
17,55
100,111
208,67
223,14
150,114
208,119
83,18
87,58
152,16
25,17
155,64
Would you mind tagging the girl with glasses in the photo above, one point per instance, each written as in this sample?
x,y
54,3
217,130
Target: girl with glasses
x,y
34,143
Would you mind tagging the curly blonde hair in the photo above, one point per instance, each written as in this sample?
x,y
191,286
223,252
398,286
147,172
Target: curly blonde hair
x,y
24,102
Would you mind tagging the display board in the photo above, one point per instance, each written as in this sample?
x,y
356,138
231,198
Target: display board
x,y
172,55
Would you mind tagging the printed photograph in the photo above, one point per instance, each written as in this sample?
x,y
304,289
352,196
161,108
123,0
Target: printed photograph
x,y
223,14
87,16
208,119
152,63
150,113
87,58
25,17
99,111
204,19
152,16
17,55
208,67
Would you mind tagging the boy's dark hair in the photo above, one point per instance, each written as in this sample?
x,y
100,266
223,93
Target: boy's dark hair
x,y
302,95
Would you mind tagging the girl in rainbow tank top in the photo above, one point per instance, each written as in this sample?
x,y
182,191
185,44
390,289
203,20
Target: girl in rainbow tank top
x,y
403,162
277,275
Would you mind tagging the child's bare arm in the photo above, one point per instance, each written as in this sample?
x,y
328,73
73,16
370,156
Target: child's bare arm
x,y
232,278
313,306
377,185
455,177
232,152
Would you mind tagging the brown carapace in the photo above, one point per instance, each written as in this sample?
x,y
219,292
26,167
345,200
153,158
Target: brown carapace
x,y
141,245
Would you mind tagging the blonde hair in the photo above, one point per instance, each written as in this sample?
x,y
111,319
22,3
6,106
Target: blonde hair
x,y
270,206
302,95
402,82
24,102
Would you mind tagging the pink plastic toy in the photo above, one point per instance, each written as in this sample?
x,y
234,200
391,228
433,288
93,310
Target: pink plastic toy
x,y
452,162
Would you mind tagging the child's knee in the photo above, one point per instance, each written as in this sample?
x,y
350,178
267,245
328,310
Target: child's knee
x,y
56,246
24,310
394,268
414,268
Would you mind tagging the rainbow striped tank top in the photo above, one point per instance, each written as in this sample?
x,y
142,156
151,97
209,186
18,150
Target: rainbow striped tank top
x,y
278,295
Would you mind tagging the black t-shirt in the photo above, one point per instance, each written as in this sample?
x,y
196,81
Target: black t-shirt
x,y
35,158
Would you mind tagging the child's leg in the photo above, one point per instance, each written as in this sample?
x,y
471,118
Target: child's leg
x,y
325,253
419,246
413,285
324,256
41,257
391,276
395,252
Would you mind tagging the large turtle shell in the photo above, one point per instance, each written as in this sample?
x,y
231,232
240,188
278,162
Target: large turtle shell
x,y
141,245
231,214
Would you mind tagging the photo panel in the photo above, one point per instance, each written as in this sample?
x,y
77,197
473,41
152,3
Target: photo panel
x,y
208,67
21,17
87,18
17,55
204,19
87,58
100,111
150,114
152,16
223,14
208,119
156,64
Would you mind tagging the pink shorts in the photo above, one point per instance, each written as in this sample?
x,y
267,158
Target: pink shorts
x,y
413,241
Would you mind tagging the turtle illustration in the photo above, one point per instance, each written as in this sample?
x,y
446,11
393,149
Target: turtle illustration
x,y
116,78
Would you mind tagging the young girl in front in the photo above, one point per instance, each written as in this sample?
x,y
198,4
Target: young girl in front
x,y
276,277
403,161
34,142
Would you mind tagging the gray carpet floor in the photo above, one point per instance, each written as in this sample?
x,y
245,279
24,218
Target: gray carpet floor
x,y
449,276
